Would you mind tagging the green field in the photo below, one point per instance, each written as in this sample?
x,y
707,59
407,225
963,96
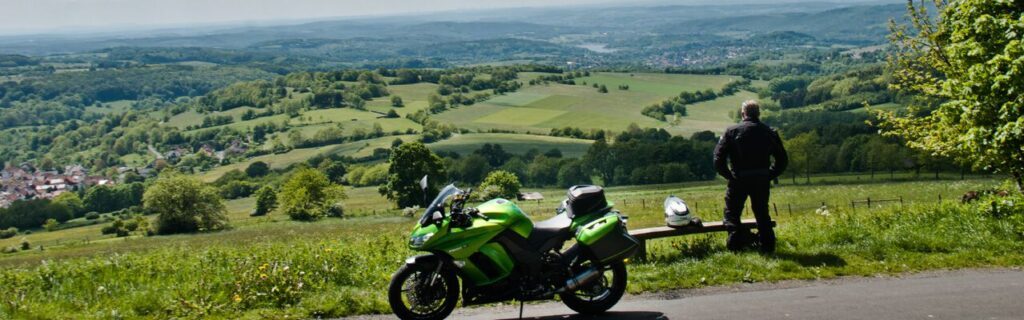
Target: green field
x,y
539,108
512,143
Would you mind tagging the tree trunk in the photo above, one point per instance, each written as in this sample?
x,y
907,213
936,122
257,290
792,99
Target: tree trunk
x,y
807,174
794,177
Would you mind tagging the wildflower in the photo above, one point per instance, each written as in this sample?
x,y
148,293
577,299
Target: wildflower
x,y
237,298
263,276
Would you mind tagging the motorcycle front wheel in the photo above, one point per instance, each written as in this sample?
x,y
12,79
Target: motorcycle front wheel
x,y
602,293
423,292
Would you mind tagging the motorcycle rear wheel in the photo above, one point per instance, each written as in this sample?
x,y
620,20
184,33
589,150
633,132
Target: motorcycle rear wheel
x,y
600,295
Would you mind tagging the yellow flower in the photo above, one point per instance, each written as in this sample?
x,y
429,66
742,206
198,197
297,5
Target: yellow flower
x,y
263,276
238,298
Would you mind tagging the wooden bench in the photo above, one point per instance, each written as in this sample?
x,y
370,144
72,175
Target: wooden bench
x,y
663,232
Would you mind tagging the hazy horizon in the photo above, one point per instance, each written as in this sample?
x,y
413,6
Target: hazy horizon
x,y
23,17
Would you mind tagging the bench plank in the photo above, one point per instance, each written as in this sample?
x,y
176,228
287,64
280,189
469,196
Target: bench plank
x,y
713,226
663,232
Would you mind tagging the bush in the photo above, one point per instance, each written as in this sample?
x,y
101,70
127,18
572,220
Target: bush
x,y
25,245
500,184
184,204
92,215
8,233
50,224
9,250
308,195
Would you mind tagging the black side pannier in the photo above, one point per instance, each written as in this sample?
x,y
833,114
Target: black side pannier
x,y
585,199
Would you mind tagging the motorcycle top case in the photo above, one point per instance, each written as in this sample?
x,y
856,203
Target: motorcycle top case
x,y
585,199
607,239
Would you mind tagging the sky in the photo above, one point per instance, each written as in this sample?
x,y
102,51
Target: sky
x,y
33,16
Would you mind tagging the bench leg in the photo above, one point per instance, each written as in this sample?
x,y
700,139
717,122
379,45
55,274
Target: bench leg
x,y
642,254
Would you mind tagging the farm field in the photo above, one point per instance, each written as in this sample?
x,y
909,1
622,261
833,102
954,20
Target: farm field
x,y
512,143
540,108
360,253
360,148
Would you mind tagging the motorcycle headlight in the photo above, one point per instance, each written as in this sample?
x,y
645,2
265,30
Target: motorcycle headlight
x,y
417,241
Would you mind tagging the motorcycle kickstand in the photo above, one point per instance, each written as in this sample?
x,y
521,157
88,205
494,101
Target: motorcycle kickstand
x,y
521,310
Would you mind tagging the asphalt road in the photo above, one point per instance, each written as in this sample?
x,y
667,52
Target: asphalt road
x,y
970,294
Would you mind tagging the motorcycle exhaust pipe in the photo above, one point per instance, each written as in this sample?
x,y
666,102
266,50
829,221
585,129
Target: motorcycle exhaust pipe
x,y
580,280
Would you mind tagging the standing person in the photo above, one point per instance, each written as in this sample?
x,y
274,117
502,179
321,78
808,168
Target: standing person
x,y
748,147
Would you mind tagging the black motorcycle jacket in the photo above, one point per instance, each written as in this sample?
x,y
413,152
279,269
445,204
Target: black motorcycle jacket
x,y
748,147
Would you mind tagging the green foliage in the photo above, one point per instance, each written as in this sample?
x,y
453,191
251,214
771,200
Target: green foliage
x,y
92,215
308,195
184,205
967,63
572,173
27,214
8,233
362,176
50,224
257,169
238,189
266,201
500,184
408,164
335,170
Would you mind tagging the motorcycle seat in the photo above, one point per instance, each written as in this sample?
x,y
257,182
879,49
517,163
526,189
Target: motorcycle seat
x,y
544,232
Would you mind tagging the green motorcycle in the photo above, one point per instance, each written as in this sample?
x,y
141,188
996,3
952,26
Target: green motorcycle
x,y
499,254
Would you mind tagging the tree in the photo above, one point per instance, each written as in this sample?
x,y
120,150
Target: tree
x,y
72,202
600,160
335,170
184,204
602,89
308,195
803,154
409,163
396,102
101,199
500,184
50,224
266,201
572,173
966,63
257,169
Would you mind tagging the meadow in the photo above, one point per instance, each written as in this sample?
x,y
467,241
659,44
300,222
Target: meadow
x,y
542,107
272,267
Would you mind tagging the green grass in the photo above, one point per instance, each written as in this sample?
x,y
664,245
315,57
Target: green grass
x,y
344,265
539,108
512,143
658,83
192,118
112,107
279,161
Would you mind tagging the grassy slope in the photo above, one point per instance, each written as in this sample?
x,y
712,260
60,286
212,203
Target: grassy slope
x,y
512,143
539,108
360,254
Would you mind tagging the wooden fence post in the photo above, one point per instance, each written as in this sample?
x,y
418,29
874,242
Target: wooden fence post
x,y
869,202
776,209
790,208
643,203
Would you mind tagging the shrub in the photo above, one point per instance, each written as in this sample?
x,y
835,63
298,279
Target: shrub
x,y
51,224
25,245
309,195
266,201
500,184
9,250
92,215
8,233
184,204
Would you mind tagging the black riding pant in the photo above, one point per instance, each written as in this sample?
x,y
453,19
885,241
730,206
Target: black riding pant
x,y
758,190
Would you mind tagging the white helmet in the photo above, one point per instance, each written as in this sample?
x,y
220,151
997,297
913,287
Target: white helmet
x,y
677,213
